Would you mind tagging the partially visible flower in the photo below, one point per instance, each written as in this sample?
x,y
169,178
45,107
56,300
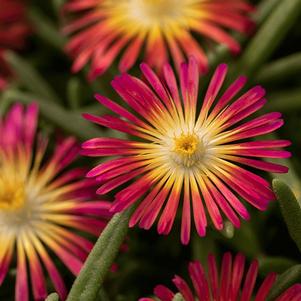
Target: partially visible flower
x,y
42,206
185,155
104,29
231,283
13,31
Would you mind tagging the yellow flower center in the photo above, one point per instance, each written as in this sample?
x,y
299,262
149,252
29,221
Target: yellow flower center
x,y
155,12
12,194
188,149
186,144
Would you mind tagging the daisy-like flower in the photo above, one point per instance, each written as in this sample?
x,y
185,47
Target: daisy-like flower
x,y
42,206
224,285
185,153
104,29
13,31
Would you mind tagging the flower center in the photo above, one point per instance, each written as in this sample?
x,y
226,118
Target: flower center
x,y
12,194
151,12
187,150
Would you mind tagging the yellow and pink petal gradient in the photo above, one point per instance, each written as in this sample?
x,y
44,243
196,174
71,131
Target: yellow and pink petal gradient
x,y
103,30
232,282
44,205
14,28
186,153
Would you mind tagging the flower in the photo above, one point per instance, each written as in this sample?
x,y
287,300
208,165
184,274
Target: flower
x,y
13,31
41,206
226,287
104,29
183,151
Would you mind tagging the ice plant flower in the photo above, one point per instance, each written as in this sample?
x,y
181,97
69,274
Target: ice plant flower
x,y
185,153
13,31
42,206
224,285
103,29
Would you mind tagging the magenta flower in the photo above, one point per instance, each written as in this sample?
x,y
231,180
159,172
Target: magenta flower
x,y
42,206
181,150
101,30
224,285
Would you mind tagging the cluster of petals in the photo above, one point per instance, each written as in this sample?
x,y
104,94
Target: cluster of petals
x,y
186,151
231,283
43,206
101,30
14,28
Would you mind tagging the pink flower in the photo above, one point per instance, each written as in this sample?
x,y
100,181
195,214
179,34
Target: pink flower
x,y
104,29
224,285
43,205
181,150
13,31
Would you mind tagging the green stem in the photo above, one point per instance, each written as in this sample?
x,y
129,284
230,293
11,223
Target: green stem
x,y
284,281
269,36
71,122
280,69
88,283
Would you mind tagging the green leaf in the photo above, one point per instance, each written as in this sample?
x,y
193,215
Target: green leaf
x,y
30,77
275,264
88,283
221,52
284,281
270,35
280,69
71,122
46,29
290,209
284,101
264,9
52,297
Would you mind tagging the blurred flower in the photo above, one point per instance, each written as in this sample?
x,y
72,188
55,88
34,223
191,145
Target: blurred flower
x,y
13,31
41,205
105,28
181,151
226,287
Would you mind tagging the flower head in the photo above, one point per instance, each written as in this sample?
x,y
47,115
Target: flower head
x,y
185,153
224,285
13,31
104,29
41,205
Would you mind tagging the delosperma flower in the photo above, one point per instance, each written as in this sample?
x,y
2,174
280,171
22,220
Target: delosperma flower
x,y
188,151
104,29
42,206
232,283
14,29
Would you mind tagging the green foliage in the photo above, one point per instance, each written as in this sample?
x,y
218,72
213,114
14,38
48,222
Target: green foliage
x,y
100,259
290,209
52,297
